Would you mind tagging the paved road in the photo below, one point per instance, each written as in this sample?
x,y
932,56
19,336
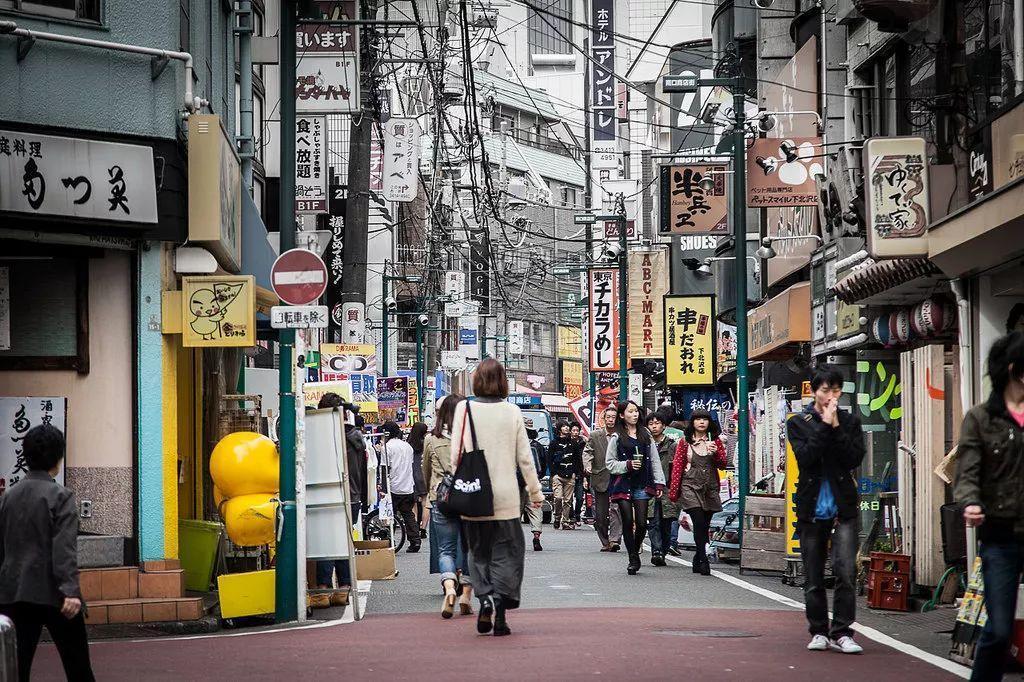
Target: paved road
x,y
582,616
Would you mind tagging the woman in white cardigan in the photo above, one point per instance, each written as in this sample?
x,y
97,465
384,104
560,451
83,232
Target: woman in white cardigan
x,y
497,548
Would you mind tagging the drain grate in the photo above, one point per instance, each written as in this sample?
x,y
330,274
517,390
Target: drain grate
x,y
706,633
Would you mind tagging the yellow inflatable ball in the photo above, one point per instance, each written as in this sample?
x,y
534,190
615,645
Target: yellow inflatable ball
x,y
249,519
244,463
218,496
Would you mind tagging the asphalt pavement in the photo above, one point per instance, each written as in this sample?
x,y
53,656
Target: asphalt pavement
x,y
581,616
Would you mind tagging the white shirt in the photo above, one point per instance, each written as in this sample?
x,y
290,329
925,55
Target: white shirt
x,y
398,456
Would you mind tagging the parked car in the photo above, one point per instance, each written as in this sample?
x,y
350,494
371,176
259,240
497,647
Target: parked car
x,y
724,530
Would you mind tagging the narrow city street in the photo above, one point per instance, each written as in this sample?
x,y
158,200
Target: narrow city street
x,y
582,616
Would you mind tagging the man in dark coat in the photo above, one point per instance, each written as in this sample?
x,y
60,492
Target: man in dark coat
x,y
829,444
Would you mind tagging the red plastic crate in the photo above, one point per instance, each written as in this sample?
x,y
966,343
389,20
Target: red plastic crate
x,y
888,590
888,562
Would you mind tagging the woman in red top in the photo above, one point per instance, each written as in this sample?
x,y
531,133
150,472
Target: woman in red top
x,y
694,480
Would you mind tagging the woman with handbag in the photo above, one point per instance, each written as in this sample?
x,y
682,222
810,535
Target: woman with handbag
x,y
636,477
448,555
694,485
490,446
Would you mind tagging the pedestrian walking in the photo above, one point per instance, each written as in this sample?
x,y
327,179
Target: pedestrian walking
x,y
355,458
398,458
694,480
448,554
636,477
533,513
496,545
417,434
989,480
663,515
39,559
607,521
829,444
577,508
566,458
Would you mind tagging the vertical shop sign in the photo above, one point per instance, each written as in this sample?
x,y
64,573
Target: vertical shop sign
x,y
17,417
648,278
376,161
792,475
690,340
401,159
515,337
334,257
5,308
687,207
480,268
327,60
604,320
602,68
311,164
897,205
469,330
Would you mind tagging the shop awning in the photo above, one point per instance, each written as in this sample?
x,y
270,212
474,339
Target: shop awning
x,y
981,235
900,279
257,255
779,323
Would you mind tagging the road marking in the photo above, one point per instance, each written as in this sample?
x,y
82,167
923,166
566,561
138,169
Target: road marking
x,y
560,587
871,633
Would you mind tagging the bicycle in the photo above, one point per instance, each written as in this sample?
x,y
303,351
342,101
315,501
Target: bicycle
x,y
376,528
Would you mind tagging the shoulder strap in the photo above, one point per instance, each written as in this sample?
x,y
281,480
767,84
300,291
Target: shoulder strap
x,y
462,437
472,426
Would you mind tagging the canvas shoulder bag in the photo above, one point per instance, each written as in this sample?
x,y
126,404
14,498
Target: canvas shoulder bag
x,y
471,493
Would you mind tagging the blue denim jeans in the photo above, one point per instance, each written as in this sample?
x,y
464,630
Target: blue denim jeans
x,y
451,553
325,569
1001,565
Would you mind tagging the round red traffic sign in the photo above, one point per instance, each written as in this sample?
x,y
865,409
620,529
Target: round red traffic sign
x,y
299,277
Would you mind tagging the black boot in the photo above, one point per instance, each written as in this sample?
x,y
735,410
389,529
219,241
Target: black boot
x,y
483,620
705,567
500,626
657,560
536,543
634,564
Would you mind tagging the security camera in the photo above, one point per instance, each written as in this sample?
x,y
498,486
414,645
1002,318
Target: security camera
x,y
391,304
763,4
424,319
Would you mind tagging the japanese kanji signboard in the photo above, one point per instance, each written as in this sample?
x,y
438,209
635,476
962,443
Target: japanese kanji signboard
x,y
689,208
339,360
896,201
780,171
329,37
648,284
690,332
602,78
311,164
17,417
401,159
604,320
327,84
64,176
218,312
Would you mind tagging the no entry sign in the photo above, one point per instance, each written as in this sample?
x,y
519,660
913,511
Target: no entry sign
x,y
299,277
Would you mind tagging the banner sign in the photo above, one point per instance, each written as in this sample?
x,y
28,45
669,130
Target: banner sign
x,y
648,285
897,205
334,258
17,417
469,330
313,391
339,360
604,320
480,268
781,171
515,338
570,342
792,475
401,159
311,164
602,66
690,332
687,207
571,372
393,400
364,391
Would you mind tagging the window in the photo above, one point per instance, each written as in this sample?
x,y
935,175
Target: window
x,y
82,10
184,25
542,339
568,196
48,303
543,36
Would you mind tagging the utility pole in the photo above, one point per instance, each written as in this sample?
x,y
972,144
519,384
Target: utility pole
x,y
286,607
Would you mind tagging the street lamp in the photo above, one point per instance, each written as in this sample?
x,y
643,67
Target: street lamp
x,y
389,306
767,120
703,267
766,251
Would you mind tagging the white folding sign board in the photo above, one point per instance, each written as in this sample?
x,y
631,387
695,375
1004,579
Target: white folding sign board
x,y
401,159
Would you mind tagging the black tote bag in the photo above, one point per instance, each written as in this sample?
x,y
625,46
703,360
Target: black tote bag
x,y
471,493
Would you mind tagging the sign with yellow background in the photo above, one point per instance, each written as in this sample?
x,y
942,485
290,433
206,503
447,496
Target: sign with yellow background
x,y
313,391
570,342
218,311
690,335
792,474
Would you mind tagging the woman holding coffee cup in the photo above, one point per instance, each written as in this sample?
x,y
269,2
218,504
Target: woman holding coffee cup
x,y
636,477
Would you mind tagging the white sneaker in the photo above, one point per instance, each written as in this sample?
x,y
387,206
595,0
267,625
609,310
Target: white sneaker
x,y
846,645
818,643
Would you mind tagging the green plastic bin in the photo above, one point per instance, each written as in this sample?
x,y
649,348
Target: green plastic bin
x,y
198,542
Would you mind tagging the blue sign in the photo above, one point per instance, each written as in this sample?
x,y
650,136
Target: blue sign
x,y
467,336
710,400
523,400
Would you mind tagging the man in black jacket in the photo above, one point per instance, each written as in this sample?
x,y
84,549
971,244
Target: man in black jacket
x,y
829,444
39,559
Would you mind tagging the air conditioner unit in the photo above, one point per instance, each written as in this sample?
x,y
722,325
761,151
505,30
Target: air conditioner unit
x,y
840,206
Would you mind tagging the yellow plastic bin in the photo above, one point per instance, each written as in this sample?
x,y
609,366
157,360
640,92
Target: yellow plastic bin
x,y
198,542
246,594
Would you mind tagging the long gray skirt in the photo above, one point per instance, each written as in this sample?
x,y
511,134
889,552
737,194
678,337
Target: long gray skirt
x,y
497,551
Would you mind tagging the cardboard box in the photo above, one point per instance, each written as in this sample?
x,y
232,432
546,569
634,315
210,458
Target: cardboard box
x,y
375,560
